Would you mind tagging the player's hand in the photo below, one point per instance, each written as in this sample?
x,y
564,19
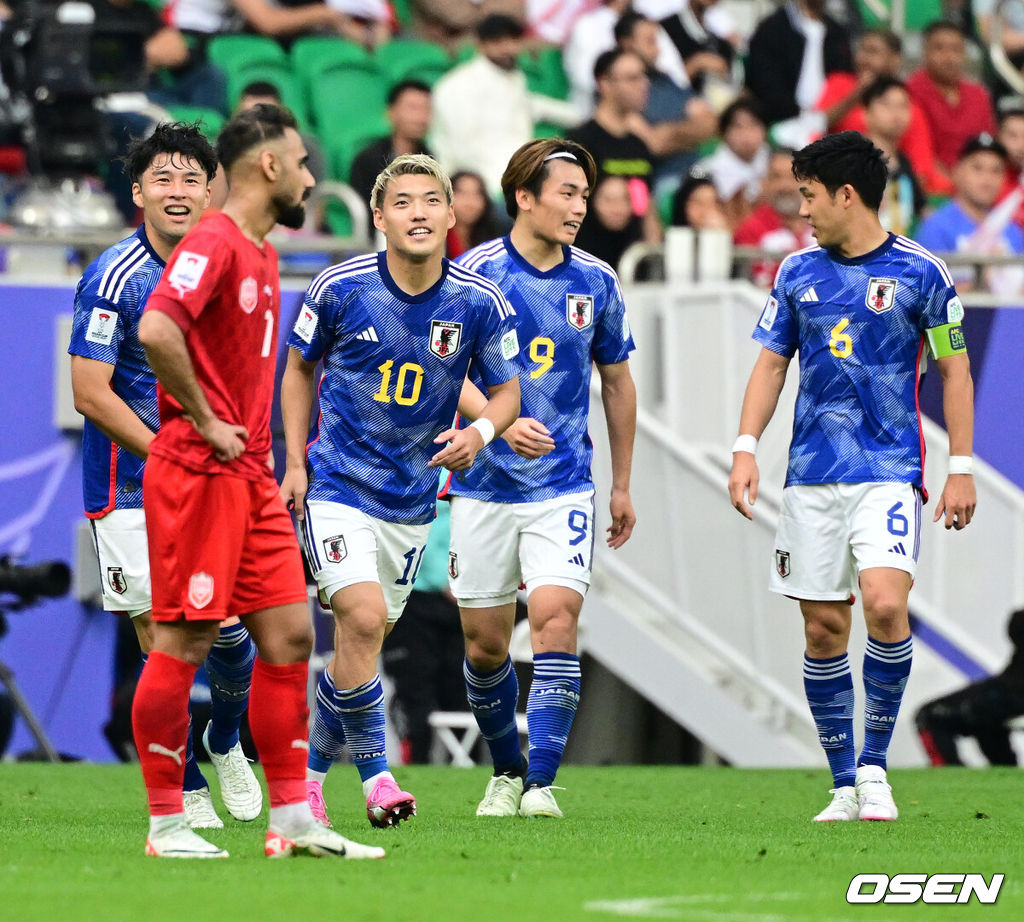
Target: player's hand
x,y
458,455
529,438
957,501
623,519
226,439
743,482
293,490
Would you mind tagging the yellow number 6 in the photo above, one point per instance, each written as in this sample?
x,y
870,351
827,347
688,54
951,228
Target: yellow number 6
x,y
841,345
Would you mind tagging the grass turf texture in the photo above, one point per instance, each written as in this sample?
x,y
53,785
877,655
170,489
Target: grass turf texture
x,y
700,844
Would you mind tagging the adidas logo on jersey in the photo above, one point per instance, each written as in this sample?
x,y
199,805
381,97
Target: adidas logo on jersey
x,y
578,560
809,295
368,335
898,549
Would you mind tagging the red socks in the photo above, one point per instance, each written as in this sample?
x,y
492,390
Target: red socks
x,y
279,721
160,725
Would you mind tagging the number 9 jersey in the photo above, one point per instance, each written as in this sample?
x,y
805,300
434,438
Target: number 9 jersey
x,y
860,326
569,317
393,367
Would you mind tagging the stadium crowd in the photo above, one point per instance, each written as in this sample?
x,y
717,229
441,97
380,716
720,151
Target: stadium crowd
x,y
664,93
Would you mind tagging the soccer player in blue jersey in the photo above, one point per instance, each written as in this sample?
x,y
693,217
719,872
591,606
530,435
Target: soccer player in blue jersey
x,y
524,513
860,308
396,332
115,390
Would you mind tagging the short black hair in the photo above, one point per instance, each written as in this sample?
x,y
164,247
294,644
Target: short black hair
x,y
892,41
941,25
1005,115
183,138
403,86
627,24
245,130
606,61
879,87
261,88
498,26
845,158
744,104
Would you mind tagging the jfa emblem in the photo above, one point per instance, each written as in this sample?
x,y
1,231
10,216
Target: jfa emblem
x,y
200,589
881,295
579,311
335,548
248,294
445,338
453,564
116,580
782,566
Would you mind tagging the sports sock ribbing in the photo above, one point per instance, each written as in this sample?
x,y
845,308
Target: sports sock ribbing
x,y
550,709
492,698
229,668
886,670
828,684
327,735
362,716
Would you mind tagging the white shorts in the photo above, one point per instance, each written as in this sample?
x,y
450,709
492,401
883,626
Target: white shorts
x,y
123,554
828,533
345,546
497,546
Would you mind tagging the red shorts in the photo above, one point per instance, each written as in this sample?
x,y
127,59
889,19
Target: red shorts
x,y
218,545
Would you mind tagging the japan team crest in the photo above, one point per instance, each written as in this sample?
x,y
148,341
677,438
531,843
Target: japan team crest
x,y
116,580
881,295
445,338
248,294
200,589
579,311
453,564
335,548
782,566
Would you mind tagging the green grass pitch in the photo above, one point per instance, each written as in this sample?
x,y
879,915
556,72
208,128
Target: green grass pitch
x,y
698,844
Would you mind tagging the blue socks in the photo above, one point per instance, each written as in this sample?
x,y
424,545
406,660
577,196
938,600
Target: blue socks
x,y
550,709
886,670
327,735
194,778
229,669
492,698
362,717
828,685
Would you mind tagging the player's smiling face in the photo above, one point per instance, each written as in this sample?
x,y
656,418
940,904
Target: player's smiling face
x,y
415,216
556,214
825,213
172,193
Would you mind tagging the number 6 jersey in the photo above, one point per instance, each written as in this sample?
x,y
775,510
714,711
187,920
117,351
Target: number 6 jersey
x,y
860,326
393,367
569,317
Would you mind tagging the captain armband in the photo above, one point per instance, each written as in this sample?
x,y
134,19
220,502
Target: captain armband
x,y
946,340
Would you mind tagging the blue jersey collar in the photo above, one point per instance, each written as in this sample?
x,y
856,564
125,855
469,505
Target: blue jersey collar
x,y
144,239
867,257
520,261
392,286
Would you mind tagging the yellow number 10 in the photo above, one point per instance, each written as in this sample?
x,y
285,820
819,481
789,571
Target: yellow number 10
x,y
841,344
400,396
542,352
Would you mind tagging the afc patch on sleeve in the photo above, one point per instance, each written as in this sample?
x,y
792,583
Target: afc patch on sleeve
x,y
510,345
954,310
187,271
771,309
102,324
305,324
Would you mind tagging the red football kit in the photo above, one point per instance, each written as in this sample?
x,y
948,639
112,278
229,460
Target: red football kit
x,y
220,540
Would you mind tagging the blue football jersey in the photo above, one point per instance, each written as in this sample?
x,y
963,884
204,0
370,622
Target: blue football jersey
x,y
393,367
568,317
859,326
108,304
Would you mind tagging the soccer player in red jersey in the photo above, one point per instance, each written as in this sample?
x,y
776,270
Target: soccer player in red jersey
x,y
220,540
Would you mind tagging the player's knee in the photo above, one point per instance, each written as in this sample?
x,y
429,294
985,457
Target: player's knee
x,y
886,618
486,651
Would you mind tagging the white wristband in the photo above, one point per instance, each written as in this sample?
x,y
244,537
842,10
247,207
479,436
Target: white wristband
x,y
745,443
486,429
961,464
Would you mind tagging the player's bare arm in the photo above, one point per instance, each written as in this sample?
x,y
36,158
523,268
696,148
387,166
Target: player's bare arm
x,y
959,497
168,356
618,394
297,392
94,399
527,437
501,410
759,401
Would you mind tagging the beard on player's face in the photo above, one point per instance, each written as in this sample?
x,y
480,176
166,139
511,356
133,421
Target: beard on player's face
x,y
289,214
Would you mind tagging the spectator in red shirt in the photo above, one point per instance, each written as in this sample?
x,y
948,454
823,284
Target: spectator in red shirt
x,y
956,109
1011,136
879,54
775,224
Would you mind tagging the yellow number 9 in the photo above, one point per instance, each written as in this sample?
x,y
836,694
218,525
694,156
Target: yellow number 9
x,y
542,353
841,344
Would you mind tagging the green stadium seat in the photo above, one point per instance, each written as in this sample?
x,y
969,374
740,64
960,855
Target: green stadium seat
x,y
210,120
229,52
544,72
917,14
343,151
345,104
316,55
280,75
408,59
